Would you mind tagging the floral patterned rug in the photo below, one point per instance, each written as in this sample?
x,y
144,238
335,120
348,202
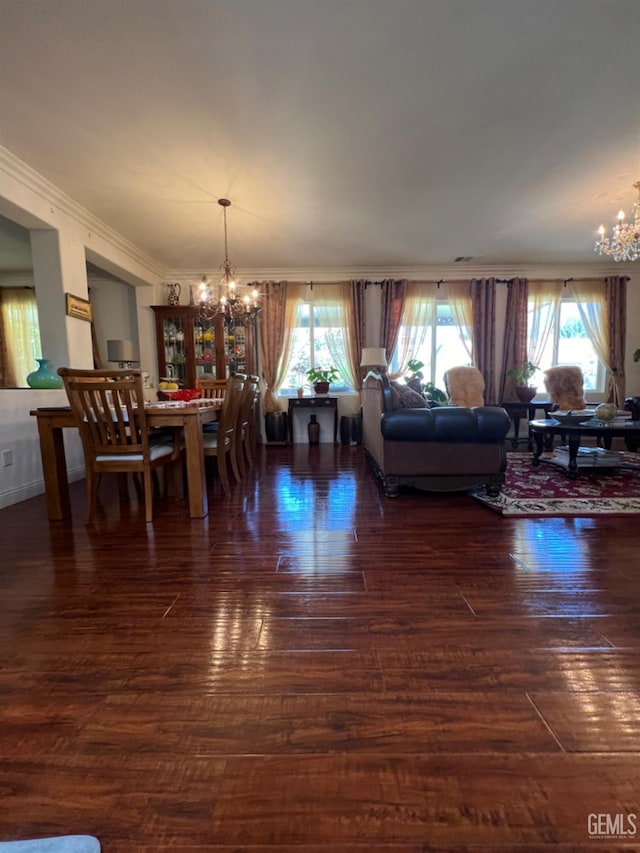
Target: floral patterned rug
x,y
546,490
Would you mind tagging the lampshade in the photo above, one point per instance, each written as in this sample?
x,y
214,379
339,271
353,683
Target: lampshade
x,y
373,357
123,351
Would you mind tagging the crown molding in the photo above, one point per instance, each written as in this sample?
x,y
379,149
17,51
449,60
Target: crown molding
x,y
58,200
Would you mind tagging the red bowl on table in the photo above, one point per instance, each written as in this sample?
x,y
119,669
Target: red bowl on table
x,y
182,395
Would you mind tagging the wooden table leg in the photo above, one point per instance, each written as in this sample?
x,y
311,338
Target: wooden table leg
x,y
54,470
539,438
196,480
574,446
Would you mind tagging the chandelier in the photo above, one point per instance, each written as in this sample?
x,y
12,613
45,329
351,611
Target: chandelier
x,y
222,298
624,242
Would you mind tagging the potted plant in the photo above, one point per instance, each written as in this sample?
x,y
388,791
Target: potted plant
x,y
522,375
433,394
321,378
414,379
636,355
427,389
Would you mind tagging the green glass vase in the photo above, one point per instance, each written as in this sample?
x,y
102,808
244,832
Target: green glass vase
x,y
44,376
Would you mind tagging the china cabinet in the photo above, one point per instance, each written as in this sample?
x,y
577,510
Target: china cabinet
x,y
191,347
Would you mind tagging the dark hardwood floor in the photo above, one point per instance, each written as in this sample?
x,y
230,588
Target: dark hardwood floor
x,y
314,667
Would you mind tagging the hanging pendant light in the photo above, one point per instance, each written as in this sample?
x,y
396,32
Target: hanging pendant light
x,y
222,297
624,242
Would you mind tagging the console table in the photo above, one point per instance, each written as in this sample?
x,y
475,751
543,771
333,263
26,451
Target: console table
x,y
317,402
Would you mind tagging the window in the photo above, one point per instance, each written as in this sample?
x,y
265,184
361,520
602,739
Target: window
x,y
568,342
444,344
20,329
317,340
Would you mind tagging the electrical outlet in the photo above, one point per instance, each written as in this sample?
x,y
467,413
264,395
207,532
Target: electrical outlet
x,y
7,458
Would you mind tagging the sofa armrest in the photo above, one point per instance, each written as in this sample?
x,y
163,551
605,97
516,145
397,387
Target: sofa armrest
x,y
378,383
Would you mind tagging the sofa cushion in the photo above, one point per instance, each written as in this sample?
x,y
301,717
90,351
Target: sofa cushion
x,y
453,424
406,398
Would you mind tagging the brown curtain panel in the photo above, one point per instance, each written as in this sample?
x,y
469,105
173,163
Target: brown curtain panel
x,y
616,296
357,332
514,349
394,294
483,306
272,331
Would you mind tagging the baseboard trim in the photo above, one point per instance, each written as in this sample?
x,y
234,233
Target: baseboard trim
x,y
31,490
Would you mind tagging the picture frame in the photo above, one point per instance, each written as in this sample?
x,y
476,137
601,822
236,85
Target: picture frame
x,y
79,308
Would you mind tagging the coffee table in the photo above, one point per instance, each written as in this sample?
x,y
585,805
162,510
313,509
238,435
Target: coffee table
x,y
630,431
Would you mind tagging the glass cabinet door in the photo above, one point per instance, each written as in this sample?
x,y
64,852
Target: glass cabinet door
x,y
236,348
173,336
204,340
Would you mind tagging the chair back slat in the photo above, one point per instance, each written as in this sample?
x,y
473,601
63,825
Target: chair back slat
x,y
213,389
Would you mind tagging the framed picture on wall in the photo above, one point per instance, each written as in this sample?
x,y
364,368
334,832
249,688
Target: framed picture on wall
x,y
78,307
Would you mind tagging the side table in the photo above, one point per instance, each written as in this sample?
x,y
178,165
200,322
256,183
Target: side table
x,y
517,410
317,402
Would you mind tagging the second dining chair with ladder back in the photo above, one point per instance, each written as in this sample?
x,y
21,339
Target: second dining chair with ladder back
x,y
108,409
222,442
245,433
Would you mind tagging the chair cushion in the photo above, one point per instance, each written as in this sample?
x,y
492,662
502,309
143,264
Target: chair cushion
x,y
210,440
156,451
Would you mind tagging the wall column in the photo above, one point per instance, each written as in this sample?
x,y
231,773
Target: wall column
x,y
59,267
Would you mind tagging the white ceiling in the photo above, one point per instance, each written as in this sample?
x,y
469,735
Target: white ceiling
x,y
347,133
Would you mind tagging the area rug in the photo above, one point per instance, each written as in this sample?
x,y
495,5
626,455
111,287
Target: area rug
x,y
547,491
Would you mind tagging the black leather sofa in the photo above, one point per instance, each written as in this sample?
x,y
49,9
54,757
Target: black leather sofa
x,y
444,449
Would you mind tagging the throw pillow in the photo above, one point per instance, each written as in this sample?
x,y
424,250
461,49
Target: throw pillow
x,y
407,397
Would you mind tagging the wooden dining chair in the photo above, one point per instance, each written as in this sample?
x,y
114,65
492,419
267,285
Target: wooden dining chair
x,y
246,416
222,442
211,389
108,408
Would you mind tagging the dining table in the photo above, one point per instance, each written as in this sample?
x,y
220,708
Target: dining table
x,y
188,416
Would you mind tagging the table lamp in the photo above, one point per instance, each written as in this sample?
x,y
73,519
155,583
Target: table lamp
x,y
126,353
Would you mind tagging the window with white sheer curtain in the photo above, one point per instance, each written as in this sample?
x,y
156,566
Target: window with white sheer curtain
x,y
317,337
563,327
21,332
433,330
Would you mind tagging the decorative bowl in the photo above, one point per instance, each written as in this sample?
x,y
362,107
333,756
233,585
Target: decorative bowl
x,y
573,417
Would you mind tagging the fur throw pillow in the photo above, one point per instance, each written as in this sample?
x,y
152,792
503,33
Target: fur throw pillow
x,y
465,386
566,387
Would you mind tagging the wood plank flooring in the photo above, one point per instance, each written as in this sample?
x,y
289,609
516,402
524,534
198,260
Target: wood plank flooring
x,y
315,667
